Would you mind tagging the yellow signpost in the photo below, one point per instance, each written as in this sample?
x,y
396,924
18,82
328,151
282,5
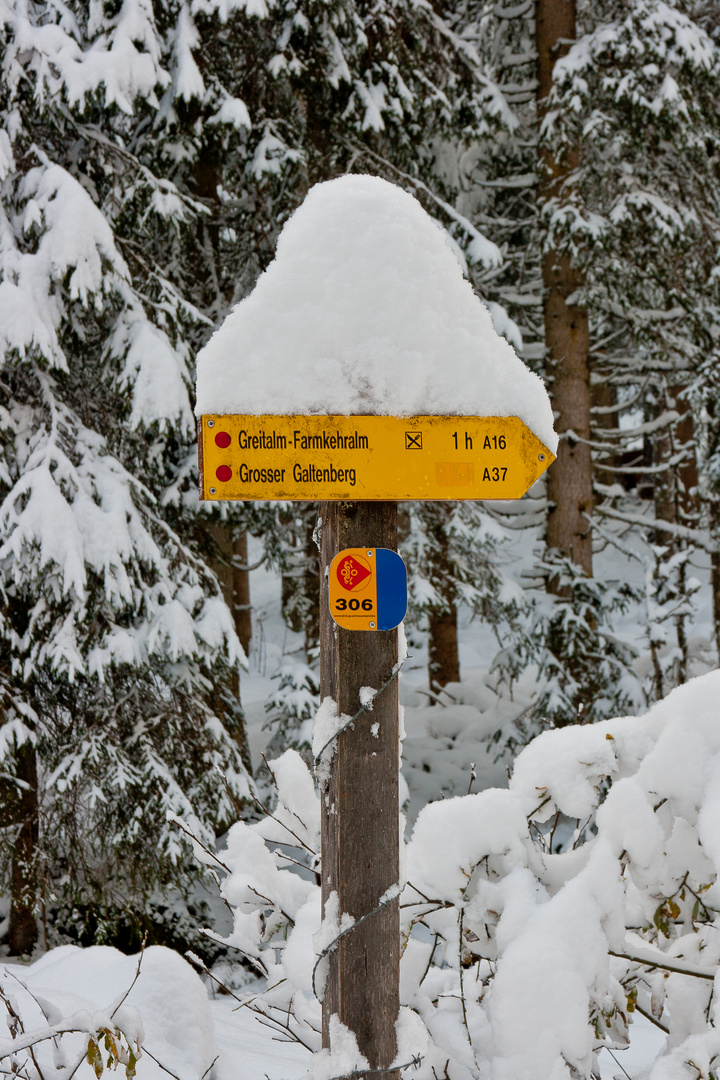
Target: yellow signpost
x,y
367,458
359,468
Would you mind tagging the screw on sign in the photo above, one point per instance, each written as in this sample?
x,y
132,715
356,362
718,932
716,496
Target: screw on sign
x,y
367,589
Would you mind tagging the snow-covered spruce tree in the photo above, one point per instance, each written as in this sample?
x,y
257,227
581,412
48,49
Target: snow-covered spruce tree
x,y
507,175
640,214
116,643
638,226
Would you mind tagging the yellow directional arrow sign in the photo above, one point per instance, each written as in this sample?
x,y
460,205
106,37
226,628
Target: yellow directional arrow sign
x,y
368,457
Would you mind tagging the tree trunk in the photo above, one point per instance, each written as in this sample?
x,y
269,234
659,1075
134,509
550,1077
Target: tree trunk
x,y
676,500
603,396
241,607
300,584
223,566
443,660
566,327
684,438
23,933
715,581
359,804
311,588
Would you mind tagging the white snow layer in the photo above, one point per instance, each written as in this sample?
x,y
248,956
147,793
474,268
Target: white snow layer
x,y
167,1009
365,310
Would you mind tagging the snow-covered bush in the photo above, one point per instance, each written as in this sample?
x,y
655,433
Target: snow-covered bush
x,y
537,921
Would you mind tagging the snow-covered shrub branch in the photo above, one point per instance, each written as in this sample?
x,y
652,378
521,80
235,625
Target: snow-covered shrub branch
x,y
537,921
84,1013
104,1039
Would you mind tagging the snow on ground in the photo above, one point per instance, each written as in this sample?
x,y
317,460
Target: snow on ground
x,y
443,741
250,1051
184,1030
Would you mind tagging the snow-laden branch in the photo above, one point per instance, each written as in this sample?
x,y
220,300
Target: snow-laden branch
x,y
694,536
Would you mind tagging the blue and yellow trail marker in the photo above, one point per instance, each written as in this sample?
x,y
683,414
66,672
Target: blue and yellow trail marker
x,y
368,589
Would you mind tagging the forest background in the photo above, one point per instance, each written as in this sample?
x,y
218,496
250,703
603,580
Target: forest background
x,y
150,153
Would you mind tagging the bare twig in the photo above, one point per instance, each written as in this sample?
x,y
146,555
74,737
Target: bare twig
x,y
266,1020
210,1066
367,707
430,959
16,1016
617,1062
460,971
348,930
254,960
653,1019
415,1062
135,979
664,966
160,1064
183,828
282,824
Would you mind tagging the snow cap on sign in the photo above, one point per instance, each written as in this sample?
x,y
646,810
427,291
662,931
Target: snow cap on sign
x,y
365,310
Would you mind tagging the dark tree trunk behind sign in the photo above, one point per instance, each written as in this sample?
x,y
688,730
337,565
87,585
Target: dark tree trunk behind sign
x,y
566,326
242,608
360,849
443,657
22,930
230,556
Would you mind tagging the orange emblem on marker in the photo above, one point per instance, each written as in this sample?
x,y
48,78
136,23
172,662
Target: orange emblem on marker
x,y
351,572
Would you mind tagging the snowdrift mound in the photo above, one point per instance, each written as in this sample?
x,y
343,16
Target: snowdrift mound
x,y
167,1008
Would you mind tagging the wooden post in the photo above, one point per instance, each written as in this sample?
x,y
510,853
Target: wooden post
x,y
360,844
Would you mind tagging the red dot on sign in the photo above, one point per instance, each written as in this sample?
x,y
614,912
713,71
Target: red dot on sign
x,y
224,473
222,439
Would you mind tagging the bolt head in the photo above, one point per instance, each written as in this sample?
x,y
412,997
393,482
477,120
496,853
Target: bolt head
x,y
213,491
211,423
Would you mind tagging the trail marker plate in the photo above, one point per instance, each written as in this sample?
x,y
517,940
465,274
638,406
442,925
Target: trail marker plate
x,y
368,589
360,458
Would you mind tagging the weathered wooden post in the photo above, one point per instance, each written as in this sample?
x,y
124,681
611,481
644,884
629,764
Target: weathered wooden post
x,y
381,322
360,850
